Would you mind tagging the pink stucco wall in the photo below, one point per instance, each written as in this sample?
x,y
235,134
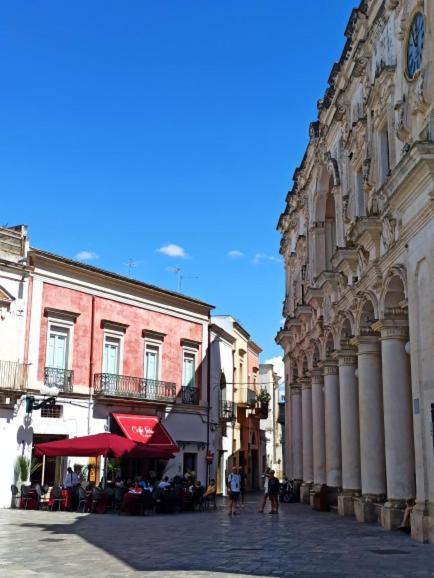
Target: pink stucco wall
x,y
252,361
136,318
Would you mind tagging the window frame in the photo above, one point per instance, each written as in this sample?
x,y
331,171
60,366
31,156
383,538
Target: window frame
x,y
112,334
192,353
151,344
68,327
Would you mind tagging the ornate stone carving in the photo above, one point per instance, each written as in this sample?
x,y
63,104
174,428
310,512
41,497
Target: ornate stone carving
x,y
401,128
362,258
389,234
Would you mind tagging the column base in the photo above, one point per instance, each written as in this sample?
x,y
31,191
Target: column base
x,y
346,502
422,522
367,508
305,492
332,495
391,514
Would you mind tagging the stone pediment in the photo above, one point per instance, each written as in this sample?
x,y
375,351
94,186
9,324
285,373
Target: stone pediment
x,y
5,297
367,233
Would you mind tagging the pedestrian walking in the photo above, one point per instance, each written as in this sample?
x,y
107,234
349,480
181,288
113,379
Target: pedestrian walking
x,y
265,477
233,484
273,492
243,479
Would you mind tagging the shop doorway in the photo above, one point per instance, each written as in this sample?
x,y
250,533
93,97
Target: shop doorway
x,y
47,470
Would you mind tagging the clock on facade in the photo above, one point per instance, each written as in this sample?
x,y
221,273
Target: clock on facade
x,y
415,45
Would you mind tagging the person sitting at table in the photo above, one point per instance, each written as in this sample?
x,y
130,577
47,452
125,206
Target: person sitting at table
x,y
119,483
164,483
211,490
198,492
136,489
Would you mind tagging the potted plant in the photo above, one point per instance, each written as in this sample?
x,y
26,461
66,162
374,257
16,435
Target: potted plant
x,y
264,399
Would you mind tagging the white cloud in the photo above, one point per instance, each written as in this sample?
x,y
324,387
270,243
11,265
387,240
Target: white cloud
x,y
85,256
258,258
264,257
235,254
277,363
172,250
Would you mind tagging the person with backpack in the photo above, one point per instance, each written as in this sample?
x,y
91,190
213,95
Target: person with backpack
x,y
233,483
273,492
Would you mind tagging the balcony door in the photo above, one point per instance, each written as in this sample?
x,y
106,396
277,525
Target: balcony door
x,y
57,348
189,370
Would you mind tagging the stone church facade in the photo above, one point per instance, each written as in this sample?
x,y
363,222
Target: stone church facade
x,y
358,246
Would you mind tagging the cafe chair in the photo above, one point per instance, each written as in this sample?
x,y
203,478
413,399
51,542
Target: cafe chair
x,y
82,499
26,496
56,497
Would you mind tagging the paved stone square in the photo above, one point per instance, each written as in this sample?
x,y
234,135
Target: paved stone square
x,y
297,542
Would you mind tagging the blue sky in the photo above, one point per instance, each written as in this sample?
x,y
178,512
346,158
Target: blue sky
x,y
127,127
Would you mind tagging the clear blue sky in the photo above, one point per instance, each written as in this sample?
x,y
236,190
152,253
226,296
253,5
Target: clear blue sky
x,y
129,126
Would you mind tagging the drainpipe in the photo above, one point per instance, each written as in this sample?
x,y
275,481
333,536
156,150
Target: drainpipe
x,y
208,393
91,363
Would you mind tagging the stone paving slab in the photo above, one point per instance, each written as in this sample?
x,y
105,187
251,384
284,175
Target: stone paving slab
x,y
298,542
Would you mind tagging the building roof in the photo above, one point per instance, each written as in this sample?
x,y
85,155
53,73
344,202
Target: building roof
x,y
35,253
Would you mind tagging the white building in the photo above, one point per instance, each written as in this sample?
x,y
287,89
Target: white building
x,y
358,244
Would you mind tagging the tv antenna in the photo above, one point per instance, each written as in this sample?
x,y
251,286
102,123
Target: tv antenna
x,y
131,264
180,277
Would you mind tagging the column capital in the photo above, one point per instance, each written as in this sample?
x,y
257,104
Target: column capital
x,y
392,329
305,382
346,356
368,344
317,376
295,388
330,367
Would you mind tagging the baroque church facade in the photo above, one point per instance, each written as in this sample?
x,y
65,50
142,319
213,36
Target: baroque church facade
x,y
358,247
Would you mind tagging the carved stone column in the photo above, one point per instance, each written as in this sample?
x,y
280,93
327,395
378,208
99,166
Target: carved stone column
x,y
372,455
332,425
350,436
296,431
398,419
306,403
318,428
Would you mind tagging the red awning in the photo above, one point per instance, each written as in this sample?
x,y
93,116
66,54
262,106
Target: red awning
x,y
147,430
103,444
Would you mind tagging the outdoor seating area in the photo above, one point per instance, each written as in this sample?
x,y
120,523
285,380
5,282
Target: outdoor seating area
x,y
131,497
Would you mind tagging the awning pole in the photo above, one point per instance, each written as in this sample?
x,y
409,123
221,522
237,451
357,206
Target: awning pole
x,y
104,482
43,470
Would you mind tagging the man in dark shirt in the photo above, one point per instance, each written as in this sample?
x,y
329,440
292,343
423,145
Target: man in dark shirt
x,y
273,492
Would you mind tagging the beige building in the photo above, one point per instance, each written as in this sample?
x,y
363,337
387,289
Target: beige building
x,y
358,244
272,426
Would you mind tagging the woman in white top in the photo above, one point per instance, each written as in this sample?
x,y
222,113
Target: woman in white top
x,y
265,477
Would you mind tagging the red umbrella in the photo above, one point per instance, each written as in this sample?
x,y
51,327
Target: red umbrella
x,y
103,444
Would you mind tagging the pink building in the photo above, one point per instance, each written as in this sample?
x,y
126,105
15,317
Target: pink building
x,y
117,350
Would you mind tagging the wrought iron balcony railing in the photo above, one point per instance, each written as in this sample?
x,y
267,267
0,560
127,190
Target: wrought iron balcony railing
x,y
63,379
113,384
227,410
246,396
13,375
189,394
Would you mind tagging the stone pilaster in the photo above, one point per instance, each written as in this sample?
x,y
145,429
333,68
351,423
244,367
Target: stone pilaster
x,y
318,428
398,418
296,430
332,425
350,436
372,455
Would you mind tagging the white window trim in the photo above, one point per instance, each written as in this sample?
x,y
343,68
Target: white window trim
x,y
154,344
69,326
116,335
191,352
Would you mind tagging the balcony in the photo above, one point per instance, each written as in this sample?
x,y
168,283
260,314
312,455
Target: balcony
x,y
112,384
281,414
227,410
63,379
246,397
13,375
189,395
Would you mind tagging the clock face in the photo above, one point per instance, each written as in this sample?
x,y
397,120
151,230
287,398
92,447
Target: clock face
x,y
415,45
